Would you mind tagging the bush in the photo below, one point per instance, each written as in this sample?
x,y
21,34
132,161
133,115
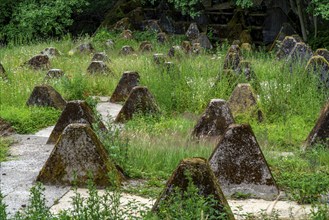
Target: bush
x,y
30,20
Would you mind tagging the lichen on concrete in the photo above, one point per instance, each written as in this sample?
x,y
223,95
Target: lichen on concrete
x,y
46,96
128,81
74,112
140,101
214,121
202,177
240,166
77,156
320,132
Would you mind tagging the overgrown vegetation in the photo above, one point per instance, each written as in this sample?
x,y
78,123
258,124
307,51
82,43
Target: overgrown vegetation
x,y
4,147
151,147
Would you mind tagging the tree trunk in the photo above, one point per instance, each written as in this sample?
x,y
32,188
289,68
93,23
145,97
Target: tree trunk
x,y
301,19
315,20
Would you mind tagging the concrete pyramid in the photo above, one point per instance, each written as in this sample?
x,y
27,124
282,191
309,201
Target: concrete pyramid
x,y
140,101
240,166
214,121
47,96
202,177
128,81
74,112
242,99
233,57
320,132
287,45
322,52
76,157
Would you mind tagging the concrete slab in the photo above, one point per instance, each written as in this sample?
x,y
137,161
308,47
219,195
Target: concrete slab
x,y
240,208
143,204
108,110
18,174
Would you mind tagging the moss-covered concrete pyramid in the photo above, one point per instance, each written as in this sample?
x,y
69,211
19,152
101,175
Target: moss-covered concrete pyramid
x,y
322,52
77,156
128,81
240,166
320,132
243,100
214,121
38,62
301,51
140,101
287,45
233,57
74,112
319,66
46,96
198,171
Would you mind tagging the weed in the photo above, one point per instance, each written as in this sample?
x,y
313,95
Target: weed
x,y
320,212
3,213
4,147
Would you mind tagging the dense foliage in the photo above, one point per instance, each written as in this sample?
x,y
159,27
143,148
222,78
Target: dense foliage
x,y
30,19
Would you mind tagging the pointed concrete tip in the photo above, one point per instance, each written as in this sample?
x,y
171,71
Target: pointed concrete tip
x,y
128,81
46,96
139,101
214,121
75,112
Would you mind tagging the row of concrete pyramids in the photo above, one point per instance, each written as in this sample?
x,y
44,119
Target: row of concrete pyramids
x,y
236,165
237,162
78,151
213,122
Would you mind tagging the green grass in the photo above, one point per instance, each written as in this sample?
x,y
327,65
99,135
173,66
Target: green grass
x,y
289,98
4,147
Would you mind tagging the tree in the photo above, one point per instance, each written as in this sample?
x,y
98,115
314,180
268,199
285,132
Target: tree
x,y
34,19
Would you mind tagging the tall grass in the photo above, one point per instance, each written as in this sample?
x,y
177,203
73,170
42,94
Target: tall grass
x,y
289,98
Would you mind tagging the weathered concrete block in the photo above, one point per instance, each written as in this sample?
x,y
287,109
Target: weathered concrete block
x,y
319,66
101,56
202,177
322,52
128,81
192,32
300,52
98,67
140,101
320,132
233,57
77,156
51,52
2,72
243,100
38,62
74,112
214,121
126,50
46,96
286,46
240,166
54,73
145,46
